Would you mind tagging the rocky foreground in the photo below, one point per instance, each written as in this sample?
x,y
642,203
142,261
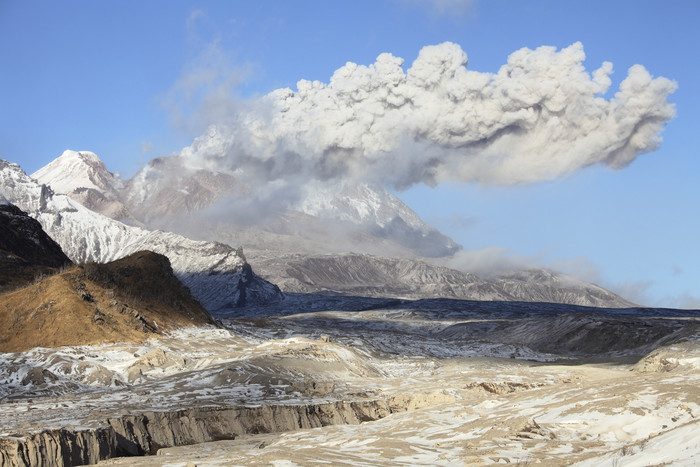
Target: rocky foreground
x,y
369,382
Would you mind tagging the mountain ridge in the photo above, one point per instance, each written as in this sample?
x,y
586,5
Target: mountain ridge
x,y
130,300
26,251
376,276
361,228
214,272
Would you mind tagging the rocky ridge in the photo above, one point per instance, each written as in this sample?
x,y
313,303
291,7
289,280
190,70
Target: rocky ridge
x,y
128,300
25,250
377,276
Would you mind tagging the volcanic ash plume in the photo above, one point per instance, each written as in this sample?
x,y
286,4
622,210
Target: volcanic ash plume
x,y
541,116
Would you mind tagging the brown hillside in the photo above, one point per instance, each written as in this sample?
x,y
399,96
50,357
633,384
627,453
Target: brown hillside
x,y
127,300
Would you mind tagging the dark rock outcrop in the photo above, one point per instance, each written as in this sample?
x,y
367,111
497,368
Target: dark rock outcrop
x,y
26,251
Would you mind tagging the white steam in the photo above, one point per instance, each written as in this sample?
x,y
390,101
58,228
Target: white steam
x,y
540,117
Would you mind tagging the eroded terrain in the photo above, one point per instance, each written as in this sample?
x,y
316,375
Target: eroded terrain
x,y
342,380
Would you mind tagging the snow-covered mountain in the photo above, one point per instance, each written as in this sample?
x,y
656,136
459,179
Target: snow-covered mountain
x,y
357,239
84,177
217,274
381,214
168,192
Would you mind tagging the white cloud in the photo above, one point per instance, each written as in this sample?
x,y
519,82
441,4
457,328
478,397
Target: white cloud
x,y
541,116
205,92
194,17
487,262
687,301
634,291
146,148
443,7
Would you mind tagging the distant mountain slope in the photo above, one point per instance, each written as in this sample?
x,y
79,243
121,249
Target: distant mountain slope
x,y
166,187
379,213
542,285
374,276
217,274
25,250
127,300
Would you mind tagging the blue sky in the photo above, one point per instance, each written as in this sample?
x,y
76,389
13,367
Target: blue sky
x,y
125,80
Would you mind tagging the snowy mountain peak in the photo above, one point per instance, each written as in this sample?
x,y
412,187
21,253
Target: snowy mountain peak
x,y
21,190
382,214
84,177
77,169
88,157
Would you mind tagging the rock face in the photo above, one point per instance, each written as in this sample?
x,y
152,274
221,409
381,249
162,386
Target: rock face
x,y
126,300
25,249
59,448
215,273
144,434
24,238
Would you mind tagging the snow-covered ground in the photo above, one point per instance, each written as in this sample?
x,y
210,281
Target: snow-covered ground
x,y
473,398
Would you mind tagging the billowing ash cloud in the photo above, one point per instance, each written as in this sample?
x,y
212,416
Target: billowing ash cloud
x,y
541,116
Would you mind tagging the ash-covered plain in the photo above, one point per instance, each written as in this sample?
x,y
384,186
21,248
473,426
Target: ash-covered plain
x,y
367,381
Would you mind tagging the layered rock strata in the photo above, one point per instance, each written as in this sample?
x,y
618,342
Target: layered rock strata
x,y
146,433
